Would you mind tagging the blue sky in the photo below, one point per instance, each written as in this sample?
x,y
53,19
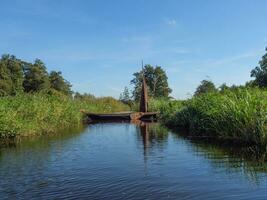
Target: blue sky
x,y
99,44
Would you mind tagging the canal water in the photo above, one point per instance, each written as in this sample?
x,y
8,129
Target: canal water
x,y
126,161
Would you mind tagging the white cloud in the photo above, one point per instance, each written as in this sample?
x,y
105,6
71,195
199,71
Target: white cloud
x,y
233,59
171,22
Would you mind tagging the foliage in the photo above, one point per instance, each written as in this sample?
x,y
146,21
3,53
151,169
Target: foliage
x,y
205,86
102,105
260,72
36,77
29,114
223,87
167,108
84,96
17,76
125,97
11,75
157,82
58,83
239,114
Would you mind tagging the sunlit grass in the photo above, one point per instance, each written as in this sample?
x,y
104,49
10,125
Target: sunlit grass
x,y
30,114
239,114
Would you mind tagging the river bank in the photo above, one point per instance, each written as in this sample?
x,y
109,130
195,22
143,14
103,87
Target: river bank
x,y
35,114
233,115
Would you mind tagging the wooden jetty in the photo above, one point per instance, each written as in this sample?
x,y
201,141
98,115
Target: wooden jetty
x,y
143,115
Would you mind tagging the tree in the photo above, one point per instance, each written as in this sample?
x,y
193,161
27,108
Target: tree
x,y
57,82
206,86
223,87
84,96
11,75
260,72
5,80
125,96
157,82
36,77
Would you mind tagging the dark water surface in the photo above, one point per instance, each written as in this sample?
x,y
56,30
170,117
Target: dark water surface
x,y
126,161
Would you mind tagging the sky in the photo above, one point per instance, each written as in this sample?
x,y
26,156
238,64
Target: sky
x,y
99,44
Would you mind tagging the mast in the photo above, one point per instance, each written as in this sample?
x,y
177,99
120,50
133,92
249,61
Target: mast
x,y
144,96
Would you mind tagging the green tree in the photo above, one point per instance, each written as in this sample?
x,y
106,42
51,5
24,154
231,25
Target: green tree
x,y
260,72
36,77
5,80
157,82
57,82
125,97
84,96
206,86
11,75
224,87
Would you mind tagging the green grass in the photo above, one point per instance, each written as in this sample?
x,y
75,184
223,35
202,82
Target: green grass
x,y
239,114
31,114
166,108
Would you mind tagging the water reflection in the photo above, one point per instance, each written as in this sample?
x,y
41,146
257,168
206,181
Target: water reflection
x,y
128,161
153,135
249,161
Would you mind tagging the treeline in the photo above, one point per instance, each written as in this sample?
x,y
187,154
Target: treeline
x,y
18,76
34,101
259,73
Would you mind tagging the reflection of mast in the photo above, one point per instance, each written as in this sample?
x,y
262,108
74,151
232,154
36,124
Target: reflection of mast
x,y
144,128
144,96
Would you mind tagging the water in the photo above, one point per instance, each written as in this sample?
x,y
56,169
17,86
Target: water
x,y
126,161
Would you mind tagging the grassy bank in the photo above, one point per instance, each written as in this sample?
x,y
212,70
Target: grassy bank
x,y
239,114
31,114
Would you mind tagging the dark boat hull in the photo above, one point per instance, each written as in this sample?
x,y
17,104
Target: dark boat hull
x,y
150,116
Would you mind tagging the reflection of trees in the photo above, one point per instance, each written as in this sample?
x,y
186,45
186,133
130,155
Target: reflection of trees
x,y
23,157
40,141
248,161
234,160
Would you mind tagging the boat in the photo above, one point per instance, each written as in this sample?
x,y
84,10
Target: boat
x,y
142,115
122,116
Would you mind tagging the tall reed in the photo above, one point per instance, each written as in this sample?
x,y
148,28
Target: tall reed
x,y
30,114
239,114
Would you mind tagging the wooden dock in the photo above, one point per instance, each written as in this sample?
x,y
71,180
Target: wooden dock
x,y
123,116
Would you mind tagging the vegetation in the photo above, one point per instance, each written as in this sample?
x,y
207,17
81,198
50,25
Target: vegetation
x,y
260,72
206,86
33,101
125,97
17,76
31,114
239,115
157,82
236,113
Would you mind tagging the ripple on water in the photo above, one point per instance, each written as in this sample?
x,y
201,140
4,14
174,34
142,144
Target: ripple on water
x,y
124,161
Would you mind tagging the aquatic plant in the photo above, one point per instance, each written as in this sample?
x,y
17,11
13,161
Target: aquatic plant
x,y
239,114
29,114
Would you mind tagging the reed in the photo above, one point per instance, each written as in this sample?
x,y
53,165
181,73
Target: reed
x,y
239,114
31,114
